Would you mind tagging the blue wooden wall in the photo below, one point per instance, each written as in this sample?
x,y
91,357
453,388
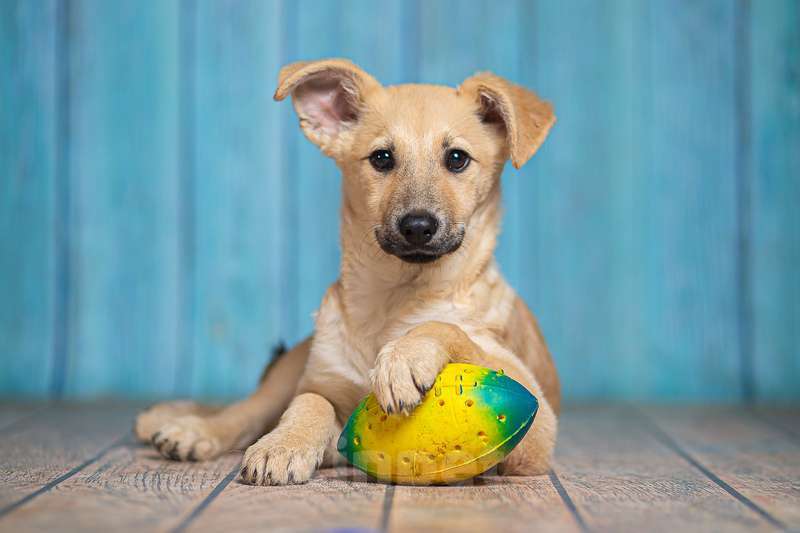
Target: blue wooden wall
x,y
163,223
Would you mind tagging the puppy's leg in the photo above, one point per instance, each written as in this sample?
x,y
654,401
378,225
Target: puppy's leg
x,y
292,451
200,435
406,367
149,421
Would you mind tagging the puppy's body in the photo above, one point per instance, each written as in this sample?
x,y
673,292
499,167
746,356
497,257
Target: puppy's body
x,y
418,285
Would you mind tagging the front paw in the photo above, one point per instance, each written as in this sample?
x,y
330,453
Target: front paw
x,y
188,438
405,370
280,459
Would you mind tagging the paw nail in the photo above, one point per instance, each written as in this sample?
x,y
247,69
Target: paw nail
x,y
173,453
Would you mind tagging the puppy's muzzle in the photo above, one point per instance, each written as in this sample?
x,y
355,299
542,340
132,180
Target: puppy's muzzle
x,y
419,236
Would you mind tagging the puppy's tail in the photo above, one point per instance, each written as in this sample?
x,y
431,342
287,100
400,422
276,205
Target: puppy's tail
x,y
277,351
278,383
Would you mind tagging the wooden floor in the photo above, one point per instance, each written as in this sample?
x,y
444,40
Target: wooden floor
x,y
76,467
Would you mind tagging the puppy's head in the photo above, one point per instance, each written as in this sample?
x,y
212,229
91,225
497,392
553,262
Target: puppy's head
x,y
418,160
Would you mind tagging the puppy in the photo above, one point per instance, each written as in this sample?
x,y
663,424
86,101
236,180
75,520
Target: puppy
x,y
418,288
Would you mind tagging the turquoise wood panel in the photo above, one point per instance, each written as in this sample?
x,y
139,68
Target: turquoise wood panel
x,y
775,222
581,269
163,223
313,220
123,168
691,219
236,197
632,262
28,196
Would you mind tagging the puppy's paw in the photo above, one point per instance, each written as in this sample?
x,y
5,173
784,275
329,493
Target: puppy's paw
x,y
405,370
188,438
524,466
149,421
280,459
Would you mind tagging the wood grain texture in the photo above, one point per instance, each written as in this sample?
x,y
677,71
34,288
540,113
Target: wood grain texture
x,y
144,491
486,503
313,221
123,165
622,478
583,193
624,470
158,211
13,414
775,223
691,218
760,462
784,419
238,211
335,499
28,199
43,447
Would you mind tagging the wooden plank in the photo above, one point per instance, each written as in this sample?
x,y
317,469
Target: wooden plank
x,y
650,187
775,232
486,503
690,212
123,164
784,419
312,221
583,194
44,447
335,499
12,414
621,477
380,49
144,490
29,166
236,195
759,462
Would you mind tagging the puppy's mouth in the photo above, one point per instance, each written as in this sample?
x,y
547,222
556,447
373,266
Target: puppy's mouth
x,y
419,255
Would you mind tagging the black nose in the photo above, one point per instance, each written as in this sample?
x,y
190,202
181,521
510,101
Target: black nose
x,y
418,227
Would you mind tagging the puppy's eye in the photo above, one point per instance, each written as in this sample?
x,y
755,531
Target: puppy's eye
x,y
456,160
382,160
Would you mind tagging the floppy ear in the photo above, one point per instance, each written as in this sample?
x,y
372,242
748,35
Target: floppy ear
x,y
526,118
328,98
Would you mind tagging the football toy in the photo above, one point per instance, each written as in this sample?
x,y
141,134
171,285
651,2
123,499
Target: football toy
x,y
467,423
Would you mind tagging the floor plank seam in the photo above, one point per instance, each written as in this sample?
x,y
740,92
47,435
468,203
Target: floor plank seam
x,y
388,500
672,445
216,491
50,485
567,499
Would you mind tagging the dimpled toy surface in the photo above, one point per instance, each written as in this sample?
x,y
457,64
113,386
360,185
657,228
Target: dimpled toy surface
x,y
467,423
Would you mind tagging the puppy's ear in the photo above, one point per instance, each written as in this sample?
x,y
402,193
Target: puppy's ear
x,y
525,117
328,96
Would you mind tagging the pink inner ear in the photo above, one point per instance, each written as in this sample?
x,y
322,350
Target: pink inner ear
x,y
491,110
323,101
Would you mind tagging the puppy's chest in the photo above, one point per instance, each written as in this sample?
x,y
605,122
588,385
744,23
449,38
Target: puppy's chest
x,y
370,329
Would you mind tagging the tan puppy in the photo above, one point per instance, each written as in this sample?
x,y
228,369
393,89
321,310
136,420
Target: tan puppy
x,y
419,286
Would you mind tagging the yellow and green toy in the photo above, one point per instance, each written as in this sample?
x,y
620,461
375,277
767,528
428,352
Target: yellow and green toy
x,y
468,422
